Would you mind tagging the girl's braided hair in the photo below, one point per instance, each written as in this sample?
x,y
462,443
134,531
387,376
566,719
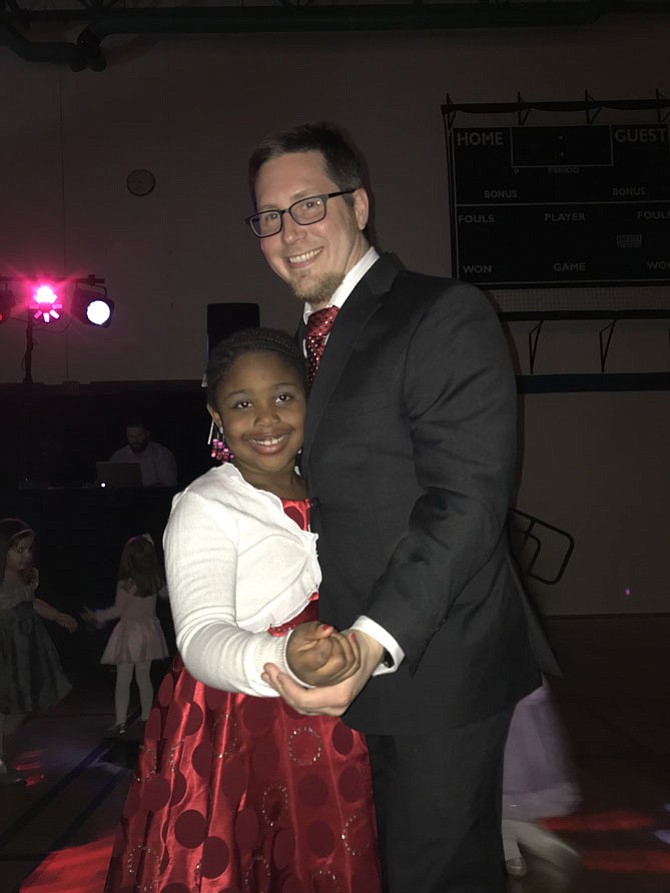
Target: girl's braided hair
x,y
251,341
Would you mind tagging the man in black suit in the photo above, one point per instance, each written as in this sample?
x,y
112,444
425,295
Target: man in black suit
x,y
409,458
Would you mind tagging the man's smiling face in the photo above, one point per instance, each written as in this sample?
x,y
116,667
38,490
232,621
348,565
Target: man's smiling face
x,y
312,259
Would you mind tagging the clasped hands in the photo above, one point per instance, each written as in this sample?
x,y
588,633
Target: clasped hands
x,y
89,617
338,663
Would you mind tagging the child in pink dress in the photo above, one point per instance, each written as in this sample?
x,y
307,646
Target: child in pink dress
x,y
137,639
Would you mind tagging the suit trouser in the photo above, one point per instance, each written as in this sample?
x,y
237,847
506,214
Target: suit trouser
x,y
438,805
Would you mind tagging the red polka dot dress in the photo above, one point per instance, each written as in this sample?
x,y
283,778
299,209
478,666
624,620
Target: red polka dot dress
x,y
241,794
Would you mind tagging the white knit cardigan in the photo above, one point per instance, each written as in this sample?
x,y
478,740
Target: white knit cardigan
x,y
236,564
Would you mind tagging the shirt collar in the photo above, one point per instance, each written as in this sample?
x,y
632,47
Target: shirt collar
x,y
349,282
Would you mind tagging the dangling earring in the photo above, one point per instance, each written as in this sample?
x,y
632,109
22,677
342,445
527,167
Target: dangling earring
x,y
220,451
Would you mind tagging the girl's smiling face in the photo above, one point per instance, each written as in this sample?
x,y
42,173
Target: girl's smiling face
x,y
260,404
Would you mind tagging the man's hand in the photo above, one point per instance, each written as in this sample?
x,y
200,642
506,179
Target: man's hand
x,y
332,700
319,655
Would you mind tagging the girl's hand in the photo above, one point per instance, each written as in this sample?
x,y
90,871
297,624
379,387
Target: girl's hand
x,y
88,616
330,700
68,622
319,655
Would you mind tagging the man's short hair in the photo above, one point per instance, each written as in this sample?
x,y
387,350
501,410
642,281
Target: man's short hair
x,y
342,161
136,421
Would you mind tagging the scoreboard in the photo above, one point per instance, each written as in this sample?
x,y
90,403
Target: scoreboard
x,y
563,206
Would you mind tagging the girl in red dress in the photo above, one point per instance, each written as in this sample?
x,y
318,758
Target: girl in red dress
x,y
235,792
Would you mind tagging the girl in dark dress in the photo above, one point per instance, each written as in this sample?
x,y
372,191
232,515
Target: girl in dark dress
x,y
31,677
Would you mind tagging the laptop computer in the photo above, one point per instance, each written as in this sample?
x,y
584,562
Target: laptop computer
x,y
119,474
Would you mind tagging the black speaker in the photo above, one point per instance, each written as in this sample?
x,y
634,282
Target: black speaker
x,y
224,319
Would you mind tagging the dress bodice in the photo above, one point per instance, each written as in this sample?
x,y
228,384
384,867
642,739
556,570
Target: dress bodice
x,y
298,509
12,594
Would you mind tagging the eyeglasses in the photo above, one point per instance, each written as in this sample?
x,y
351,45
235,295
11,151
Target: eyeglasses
x,y
304,211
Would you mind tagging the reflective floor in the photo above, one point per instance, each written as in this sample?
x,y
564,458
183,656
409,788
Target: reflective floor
x,y
615,702
55,832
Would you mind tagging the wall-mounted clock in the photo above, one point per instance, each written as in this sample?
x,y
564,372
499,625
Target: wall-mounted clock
x,y
140,182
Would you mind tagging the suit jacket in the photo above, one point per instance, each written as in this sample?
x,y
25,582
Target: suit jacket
x,y
409,457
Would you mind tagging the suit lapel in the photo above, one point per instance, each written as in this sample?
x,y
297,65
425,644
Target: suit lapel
x,y
357,310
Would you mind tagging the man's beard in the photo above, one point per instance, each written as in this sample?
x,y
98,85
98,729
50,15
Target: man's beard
x,y
318,293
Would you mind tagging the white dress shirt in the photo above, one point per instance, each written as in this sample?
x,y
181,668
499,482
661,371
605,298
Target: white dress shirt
x,y
157,464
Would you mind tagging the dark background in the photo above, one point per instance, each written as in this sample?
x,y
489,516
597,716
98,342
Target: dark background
x,y
47,466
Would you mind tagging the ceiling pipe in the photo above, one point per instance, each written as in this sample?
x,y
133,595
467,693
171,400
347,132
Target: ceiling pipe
x,y
368,17
42,51
284,19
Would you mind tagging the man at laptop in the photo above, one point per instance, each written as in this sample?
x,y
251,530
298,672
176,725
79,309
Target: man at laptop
x,y
158,465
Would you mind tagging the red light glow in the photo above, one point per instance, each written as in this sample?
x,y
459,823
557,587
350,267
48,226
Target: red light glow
x,y
627,861
81,869
614,820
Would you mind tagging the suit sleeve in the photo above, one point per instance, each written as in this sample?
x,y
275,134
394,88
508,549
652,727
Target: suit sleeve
x,y
460,402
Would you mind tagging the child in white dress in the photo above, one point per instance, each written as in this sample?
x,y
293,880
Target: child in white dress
x,y
137,639
539,782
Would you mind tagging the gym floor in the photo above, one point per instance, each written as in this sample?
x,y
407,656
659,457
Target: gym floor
x,y
614,697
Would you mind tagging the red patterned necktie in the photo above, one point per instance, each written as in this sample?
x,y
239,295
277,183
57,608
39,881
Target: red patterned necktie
x,y
318,326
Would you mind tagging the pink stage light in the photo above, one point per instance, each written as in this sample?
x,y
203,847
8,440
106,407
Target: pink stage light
x,y
46,303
